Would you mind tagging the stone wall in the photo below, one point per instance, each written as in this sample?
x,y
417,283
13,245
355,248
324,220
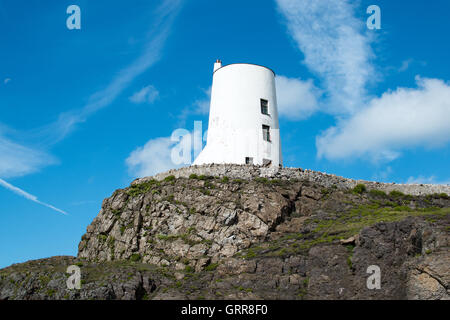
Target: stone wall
x,y
234,171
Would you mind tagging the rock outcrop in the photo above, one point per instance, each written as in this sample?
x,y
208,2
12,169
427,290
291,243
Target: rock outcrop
x,y
259,235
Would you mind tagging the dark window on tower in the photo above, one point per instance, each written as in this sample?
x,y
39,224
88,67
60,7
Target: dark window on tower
x,y
266,132
248,160
264,106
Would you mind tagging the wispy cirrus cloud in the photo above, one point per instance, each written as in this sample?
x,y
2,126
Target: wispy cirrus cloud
x,y
18,160
147,94
163,18
335,48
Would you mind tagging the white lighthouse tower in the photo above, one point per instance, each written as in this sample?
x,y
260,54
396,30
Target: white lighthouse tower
x,y
243,117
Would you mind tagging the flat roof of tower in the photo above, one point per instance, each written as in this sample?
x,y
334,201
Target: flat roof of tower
x,y
252,64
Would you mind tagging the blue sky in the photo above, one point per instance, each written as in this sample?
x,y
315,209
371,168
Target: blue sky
x,y
84,112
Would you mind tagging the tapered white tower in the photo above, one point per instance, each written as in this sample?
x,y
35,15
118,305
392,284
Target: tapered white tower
x,y
243,117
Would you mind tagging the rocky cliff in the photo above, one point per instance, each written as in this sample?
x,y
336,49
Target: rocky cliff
x,y
227,232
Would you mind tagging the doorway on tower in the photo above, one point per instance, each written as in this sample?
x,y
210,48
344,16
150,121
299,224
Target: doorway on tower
x,y
248,160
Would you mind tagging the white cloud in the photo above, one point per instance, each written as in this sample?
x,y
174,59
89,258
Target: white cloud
x,y
400,119
18,160
297,99
334,47
28,196
154,157
147,94
7,80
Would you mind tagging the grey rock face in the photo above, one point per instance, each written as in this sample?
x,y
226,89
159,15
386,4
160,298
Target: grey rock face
x,y
191,219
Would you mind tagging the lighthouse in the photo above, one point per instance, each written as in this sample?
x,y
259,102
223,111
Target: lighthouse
x,y
243,117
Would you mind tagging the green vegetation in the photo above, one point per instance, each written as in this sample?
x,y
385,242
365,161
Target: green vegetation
x,y
437,196
350,223
142,188
51,292
193,176
189,269
340,226
102,237
349,258
169,178
262,180
203,177
44,280
396,194
378,193
166,237
225,179
116,212
251,253
205,192
135,257
212,267
359,189
191,230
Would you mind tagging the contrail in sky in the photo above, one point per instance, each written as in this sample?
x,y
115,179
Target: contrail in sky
x,y
28,196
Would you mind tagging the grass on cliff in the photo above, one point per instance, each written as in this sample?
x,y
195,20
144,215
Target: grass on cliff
x,y
141,188
350,223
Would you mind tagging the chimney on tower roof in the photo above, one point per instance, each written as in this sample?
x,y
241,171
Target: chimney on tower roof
x,y
217,65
